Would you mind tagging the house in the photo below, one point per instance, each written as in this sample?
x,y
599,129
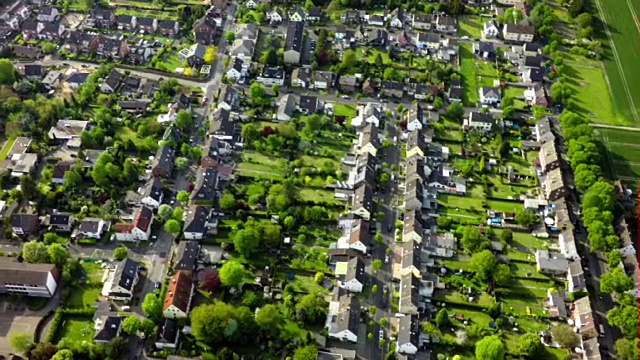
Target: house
x,y
455,91
126,22
368,141
33,72
445,23
237,70
584,318
555,304
211,154
168,335
426,41
363,173
194,55
163,162
551,263
168,28
490,29
286,107
480,121
323,80
408,335
421,21
297,14
28,52
102,18
531,49
134,106
59,171
591,349
186,256
370,113
90,228
25,224
67,130
415,117
30,29
353,17
275,16
408,303
416,144
353,279
76,79
147,25
356,236
398,18
575,277
412,226
314,14
80,42
518,33
442,180
549,157
532,75
533,62
204,30
484,50
15,14
375,20
205,187
125,278
343,317
293,43
564,216
369,87
51,80
414,195
441,245
228,98
152,194
392,89
22,278
568,245
60,222
308,104
536,95
197,222
271,76
301,77
348,84
223,127
137,230
178,298
363,202
489,95
107,328
111,83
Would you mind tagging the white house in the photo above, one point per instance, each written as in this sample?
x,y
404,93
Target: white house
x,y
368,141
237,70
48,14
362,204
178,298
90,228
415,118
480,121
490,29
353,278
375,20
137,230
271,76
275,16
22,278
355,236
152,193
489,95
122,281
343,317
518,33
369,113
408,335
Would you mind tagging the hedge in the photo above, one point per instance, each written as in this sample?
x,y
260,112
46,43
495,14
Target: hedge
x,y
58,319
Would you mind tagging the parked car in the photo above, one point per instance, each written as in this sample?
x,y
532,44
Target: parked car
x,y
158,285
381,334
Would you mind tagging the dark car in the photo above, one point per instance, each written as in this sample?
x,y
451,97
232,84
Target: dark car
x,y
389,228
158,285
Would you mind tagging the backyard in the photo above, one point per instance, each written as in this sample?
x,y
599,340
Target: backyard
x,y
470,25
77,329
475,74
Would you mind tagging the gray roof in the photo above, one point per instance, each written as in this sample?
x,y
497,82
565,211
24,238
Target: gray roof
x,y
109,329
164,158
153,189
309,103
196,219
222,123
295,37
408,293
113,79
348,316
169,332
409,330
205,185
481,117
490,91
89,225
551,261
363,197
186,255
355,270
125,274
520,29
287,105
413,221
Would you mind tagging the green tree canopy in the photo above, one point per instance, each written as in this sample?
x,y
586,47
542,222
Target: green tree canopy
x,y
120,253
490,348
131,324
563,334
232,273
483,264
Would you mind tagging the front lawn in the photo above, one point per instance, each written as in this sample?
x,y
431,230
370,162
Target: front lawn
x,y
77,329
346,110
169,62
471,26
475,74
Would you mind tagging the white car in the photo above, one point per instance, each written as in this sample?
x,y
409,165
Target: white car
x,y
381,334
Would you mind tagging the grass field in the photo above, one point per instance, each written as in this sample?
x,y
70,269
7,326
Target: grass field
x,y
475,74
621,29
83,297
470,25
5,149
77,329
622,154
592,92
156,14
169,62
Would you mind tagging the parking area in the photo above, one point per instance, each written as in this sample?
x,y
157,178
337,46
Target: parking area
x,y
15,319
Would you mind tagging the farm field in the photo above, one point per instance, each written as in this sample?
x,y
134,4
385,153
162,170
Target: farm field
x,y
622,154
622,37
592,94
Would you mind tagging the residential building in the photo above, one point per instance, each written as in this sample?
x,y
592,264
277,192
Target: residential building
x,y
193,55
551,263
416,144
549,157
271,76
484,50
375,20
518,33
22,278
293,43
109,48
414,195
237,70
103,18
286,107
392,89
33,72
398,18
489,95
575,277
368,141
422,21
441,245
554,185
417,169
370,113
205,30
68,131
107,328
343,318
356,236
408,303
532,75
147,25
490,29
126,22
412,226
52,80
178,299
531,49
363,202
187,256
297,14
480,121
162,166
60,222
301,77
309,104
445,23
427,41
228,98
151,193
205,187
314,14
323,80
198,222
25,224
123,281
137,230
90,228
415,118
555,304
76,79
584,318
408,335
591,349
223,128
15,14
353,279
347,83
168,335
275,16
537,95
111,83
168,28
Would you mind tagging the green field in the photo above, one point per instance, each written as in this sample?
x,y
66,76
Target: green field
x,y
77,329
622,154
621,37
475,74
470,25
592,95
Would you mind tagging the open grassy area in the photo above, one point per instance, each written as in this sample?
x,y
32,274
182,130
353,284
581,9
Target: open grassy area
x,y
157,14
83,297
344,110
620,35
169,62
317,195
373,54
93,271
591,93
621,154
475,74
5,149
77,329
304,284
260,166
470,25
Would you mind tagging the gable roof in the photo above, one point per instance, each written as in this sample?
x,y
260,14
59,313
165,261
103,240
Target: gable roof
x,y
186,255
169,332
205,185
125,274
109,328
520,29
196,219
295,37
409,331
164,158
355,270
27,222
59,219
222,123
153,189
309,103
113,79
179,292
78,78
489,91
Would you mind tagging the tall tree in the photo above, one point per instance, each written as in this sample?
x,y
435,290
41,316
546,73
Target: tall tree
x,y
232,273
58,254
563,334
483,264
35,252
490,348
270,320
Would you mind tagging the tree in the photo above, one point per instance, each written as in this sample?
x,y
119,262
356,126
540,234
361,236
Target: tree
x,y
438,103
442,318
64,354
172,226
430,329
21,342
147,327
183,196
257,93
35,252
508,112
222,323
444,222
585,176
627,349
563,334
584,20
7,72
319,278
270,320
210,55
529,345
377,264
152,306
48,48
57,254
378,238
52,238
349,60
526,218
184,121
502,275
178,214
246,241
490,348
230,36
309,352
120,253
614,258
455,110
43,351
165,212
483,264
615,281
626,318
181,163
311,309
227,201
131,324
232,273
210,281
472,239
506,236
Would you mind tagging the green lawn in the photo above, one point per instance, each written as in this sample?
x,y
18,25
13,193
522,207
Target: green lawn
x,y
592,94
344,110
462,202
504,206
317,195
304,284
621,40
5,149
475,74
83,297
169,62
260,166
93,271
470,25
621,149
77,329
373,53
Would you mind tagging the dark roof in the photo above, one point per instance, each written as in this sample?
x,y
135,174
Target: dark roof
x,y
125,274
183,101
143,219
531,47
309,103
196,219
134,104
205,186
29,25
533,61
164,158
315,12
295,37
27,222
78,78
14,272
171,134
455,93
186,255
60,169
153,189
481,117
59,219
222,123
145,21
423,18
227,94
101,14
392,85
535,74
520,29
272,73
45,10
409,330
110,327
124,19
169,332
113,79
33,70
167,24
355,270
486,46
